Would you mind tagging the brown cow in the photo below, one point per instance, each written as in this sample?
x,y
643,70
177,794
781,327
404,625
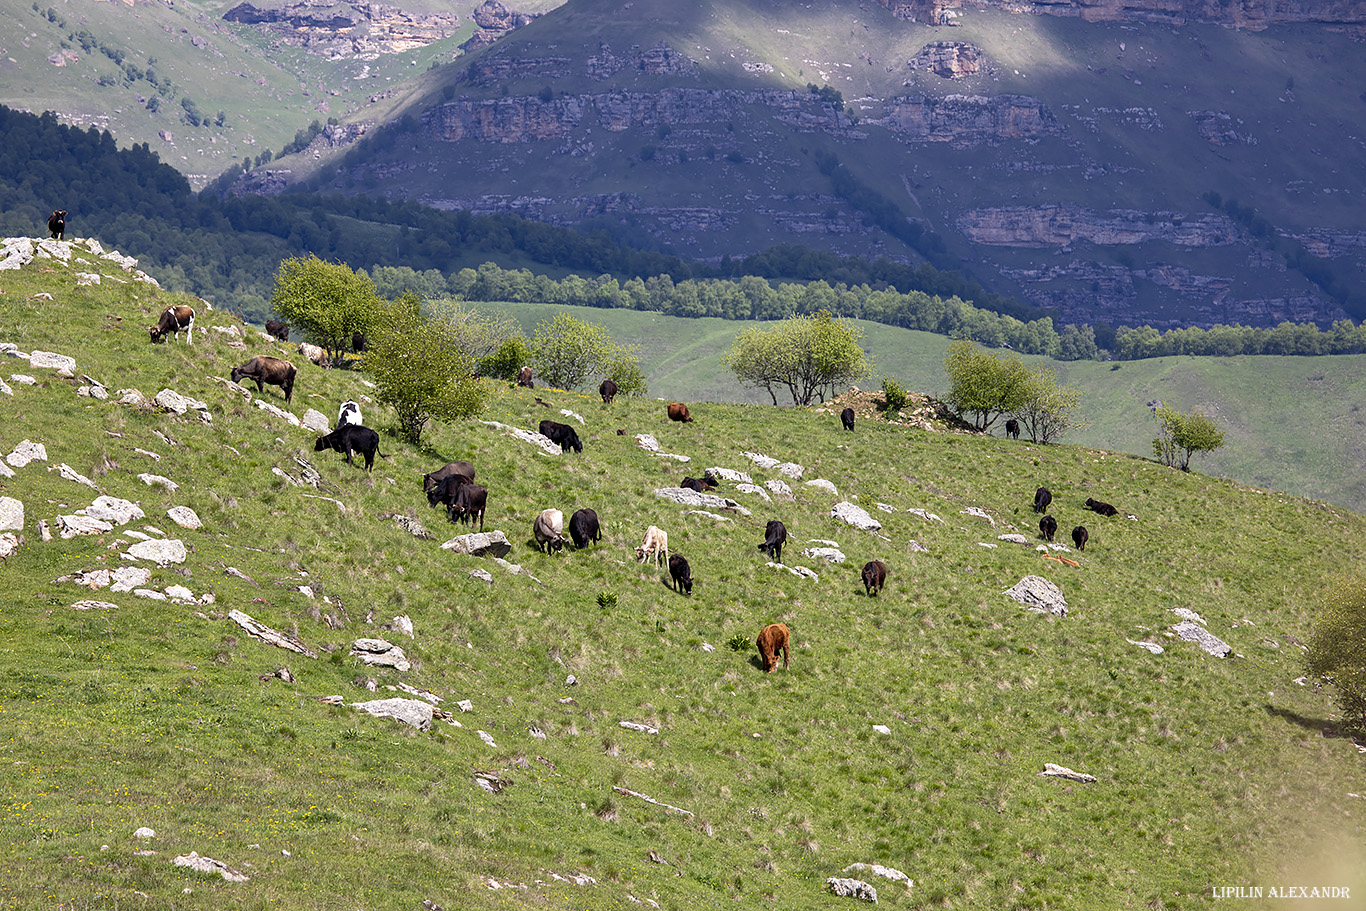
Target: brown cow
x,y
266,369
608,391
174,319
524,378
874,577
462,468
277,330
772,639
679,412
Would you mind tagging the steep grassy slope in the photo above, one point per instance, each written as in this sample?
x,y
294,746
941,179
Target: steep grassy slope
x,y
1211,772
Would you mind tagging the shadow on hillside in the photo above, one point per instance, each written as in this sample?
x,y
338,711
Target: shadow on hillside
x,y
1321,726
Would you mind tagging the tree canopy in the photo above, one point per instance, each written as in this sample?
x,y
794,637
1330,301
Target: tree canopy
x,y
1181,436
984,385
327,302
1048,410
565,352
1337,650
806,355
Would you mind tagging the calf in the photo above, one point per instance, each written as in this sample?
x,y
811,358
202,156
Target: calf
x,y
314,354
701,485
561,435
549,530
470,501
583,528
350,438
266,369
1048,527
1042,497
173,320
349,413
775,536
608,391
524,378
56,224
430,481
1080,536
681,574
1013,429
655,546
847,419
277,330
679,412
1105,509
874,577
772,640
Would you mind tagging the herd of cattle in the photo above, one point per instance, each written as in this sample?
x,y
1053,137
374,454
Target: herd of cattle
x,y
453,485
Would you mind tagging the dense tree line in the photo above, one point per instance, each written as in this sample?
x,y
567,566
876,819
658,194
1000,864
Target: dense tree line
x,y
226,248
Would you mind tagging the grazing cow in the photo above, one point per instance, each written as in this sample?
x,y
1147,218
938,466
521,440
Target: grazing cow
x,y
874,577
349,413
56,224
446,491
549,530
277,330
266,369
1013,429
470,501
608,391
1042,497
1080,536
174,319
583,528
772,640
1048,527
701,485
350,438
314,354
679,412
561,435
524,378
431,481
655,546
847,419
775,536
1105,509
681,574
359,343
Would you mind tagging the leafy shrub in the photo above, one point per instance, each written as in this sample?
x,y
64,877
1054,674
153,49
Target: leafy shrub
x,y
738,643
1337,650
504,363
894,396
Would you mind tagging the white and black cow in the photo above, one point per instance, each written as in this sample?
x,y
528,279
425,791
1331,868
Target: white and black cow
x,y
174,319
349,413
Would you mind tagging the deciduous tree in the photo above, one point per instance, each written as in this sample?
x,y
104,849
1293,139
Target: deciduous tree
x,y
1337,650
1049,410
327,302
807,355
565,352
1180,436
984,385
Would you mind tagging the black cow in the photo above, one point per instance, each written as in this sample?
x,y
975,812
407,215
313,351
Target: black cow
x,y
277,329
350,438
583,528
608,391
1048,527
1013,429
701,485
1105,509
874,577
1042,497
847,419
430,481
266,369
470,501
561,435
775,536
56,224
1080,536
174,319
524,378
359,343
681,573
444,492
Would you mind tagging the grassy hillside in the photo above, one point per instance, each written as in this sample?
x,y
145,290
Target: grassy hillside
x,y
153,713
1292,423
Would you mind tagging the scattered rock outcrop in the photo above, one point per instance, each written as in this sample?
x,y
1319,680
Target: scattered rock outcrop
x,y
1038,594
856,516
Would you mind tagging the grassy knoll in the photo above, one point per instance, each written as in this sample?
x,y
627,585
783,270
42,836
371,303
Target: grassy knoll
x,y
1211,772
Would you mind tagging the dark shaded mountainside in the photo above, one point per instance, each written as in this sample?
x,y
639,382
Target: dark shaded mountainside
x,y
1123,163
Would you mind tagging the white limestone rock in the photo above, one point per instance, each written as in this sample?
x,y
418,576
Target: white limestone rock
x,y
1052,770
569,414
70,474
315,421
480,544
916,547
162,553
851,888
647,442
180,594
828,554
380,653
170,400
760,459
415,712
113,509
72,526
791,470
132,397
726,474
280,413
856,516
891,873
754,489
709,515
979,513
1013,539
208,865
823,484
49,360
1040,595
404,625
482,575
800,571
1191,631
544,443
23,379
153,479
926,515
94,605
27,451
1148,646
11,514
693,498
9,545
780,490
185,517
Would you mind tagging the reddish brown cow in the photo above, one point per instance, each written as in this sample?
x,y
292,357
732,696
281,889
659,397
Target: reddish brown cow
x,y
874,577
173,320
679,412
266,369
772,639
524,378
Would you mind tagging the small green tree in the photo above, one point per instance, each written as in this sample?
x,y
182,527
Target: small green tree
x,y
565,352
808,355
511,356
1049,410
894,396
1180,436
984,385
327,302
419,367
623,368
1337,649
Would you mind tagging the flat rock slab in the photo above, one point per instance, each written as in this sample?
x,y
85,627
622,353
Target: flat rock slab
x,y
280,413
380,653
184,516
706,500
792,470
51,361
879,870
545,444
113,509
726,474
171,400
754,489
27,451
1013,539
978,513
94,605
1051,770
780,490
72,526
11,514
828,554
415,712
315,421
1038,594
801,571
153,479
480,544
208,865
823,484
159,552
1194,632
856,516
926,515
70,474
758,458
266,634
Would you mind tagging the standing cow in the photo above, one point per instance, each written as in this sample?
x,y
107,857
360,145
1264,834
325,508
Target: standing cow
x,y
266,369
1080,536
772,640
1013,429
549,530
350,438
56,224
277,330
174,319
608,391
874,577
680,573
775,536
1042,497
679,412
847,419
349,413
1048,527
583,528
562,435
524,378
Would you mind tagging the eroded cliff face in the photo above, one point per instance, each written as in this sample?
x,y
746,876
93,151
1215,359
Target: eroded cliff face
x,y
348,28
1248,14
1063,226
